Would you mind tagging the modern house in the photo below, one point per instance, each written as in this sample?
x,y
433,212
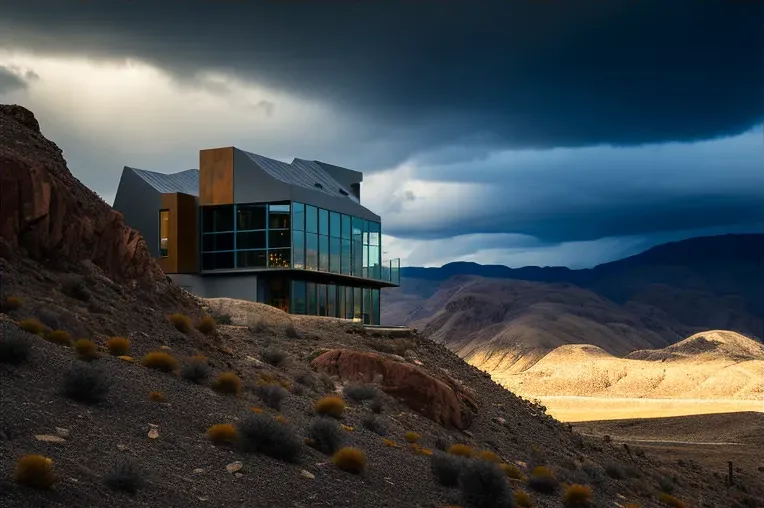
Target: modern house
x,y
244,226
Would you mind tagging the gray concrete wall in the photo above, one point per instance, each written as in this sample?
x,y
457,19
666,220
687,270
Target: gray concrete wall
x,y
238,286
139,203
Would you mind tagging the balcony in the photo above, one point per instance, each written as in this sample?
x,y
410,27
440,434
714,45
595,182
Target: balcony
x,y
390,271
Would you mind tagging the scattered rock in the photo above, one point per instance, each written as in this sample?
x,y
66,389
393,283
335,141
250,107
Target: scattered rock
x,y
62,432
238,475
153,431
234,466
307,474
198,470
121,447
49,438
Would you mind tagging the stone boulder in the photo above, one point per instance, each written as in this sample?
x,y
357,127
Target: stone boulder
x,y
443,401
46,214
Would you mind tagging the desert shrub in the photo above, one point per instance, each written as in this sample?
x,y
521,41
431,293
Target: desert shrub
x,y
330,406
666,484
461,449
281,419
10,303
389,443
669,500
207,325
420,450
523,499
86,383
181,322
291,331
325,435
86,349
298,390
577,496
351,460
271,395
543,480
14,349
275,357
161,361
227,382
157,396
412,437
615,471
360,392
222,319
60,337
483,485
489,456
262,434
376,406
35,471
222,433
374,424
75,288
125,477
441,443
447,468
512,471
118,346
195,370
32,325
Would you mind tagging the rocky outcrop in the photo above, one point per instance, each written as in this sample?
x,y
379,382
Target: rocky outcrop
x,y
443,401
47,214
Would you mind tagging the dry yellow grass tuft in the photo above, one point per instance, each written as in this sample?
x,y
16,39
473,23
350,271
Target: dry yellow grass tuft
x,y
352,460
207,325
577,496
32,325
126,358
222,433
181,322
227,382
489,456
161,361
390,443
60,337
157,396
255,409
118,346
35,471
671,501
512,471
347,428
11,303
86,349
412,437
281,419
523,499
330,406
461,450
420,450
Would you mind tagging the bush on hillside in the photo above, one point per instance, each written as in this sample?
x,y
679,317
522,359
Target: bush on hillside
x,y
228,382
87,384
35,471
222,433
75,288
360,392
86,349
489,456
32,325
291,331
512,471
125,477
577,496
157,397
118,346
671,501
324,435
351,460
161,361
615,471
543,480
207,325
441,443
523,499
330,406
412,437
374,424
10,303
60,337
484,485
447,468
14,349
261,434
275,357
181,322
376,406
196,370
271,395
461,450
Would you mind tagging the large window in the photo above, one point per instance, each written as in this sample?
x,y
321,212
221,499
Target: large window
x,y
164,233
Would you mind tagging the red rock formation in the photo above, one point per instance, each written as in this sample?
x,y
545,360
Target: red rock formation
x,y
444,402
46,213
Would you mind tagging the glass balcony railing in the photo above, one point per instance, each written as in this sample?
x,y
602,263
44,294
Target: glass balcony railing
x,y
390,271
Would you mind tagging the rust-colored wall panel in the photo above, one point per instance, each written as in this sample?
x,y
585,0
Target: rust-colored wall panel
x,y
216,176
183,251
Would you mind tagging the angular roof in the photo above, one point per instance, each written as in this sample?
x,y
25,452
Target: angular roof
x,y
303,173
186,181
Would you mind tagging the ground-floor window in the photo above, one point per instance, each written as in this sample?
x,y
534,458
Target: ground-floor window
x,y
333,300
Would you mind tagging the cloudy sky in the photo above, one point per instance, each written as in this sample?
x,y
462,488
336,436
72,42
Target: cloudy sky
x,y
514,131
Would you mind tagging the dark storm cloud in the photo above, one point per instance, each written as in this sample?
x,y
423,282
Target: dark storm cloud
x,y
510,73
12,79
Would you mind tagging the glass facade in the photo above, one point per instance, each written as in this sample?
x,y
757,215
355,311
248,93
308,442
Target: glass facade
x,y
335,301
164,233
